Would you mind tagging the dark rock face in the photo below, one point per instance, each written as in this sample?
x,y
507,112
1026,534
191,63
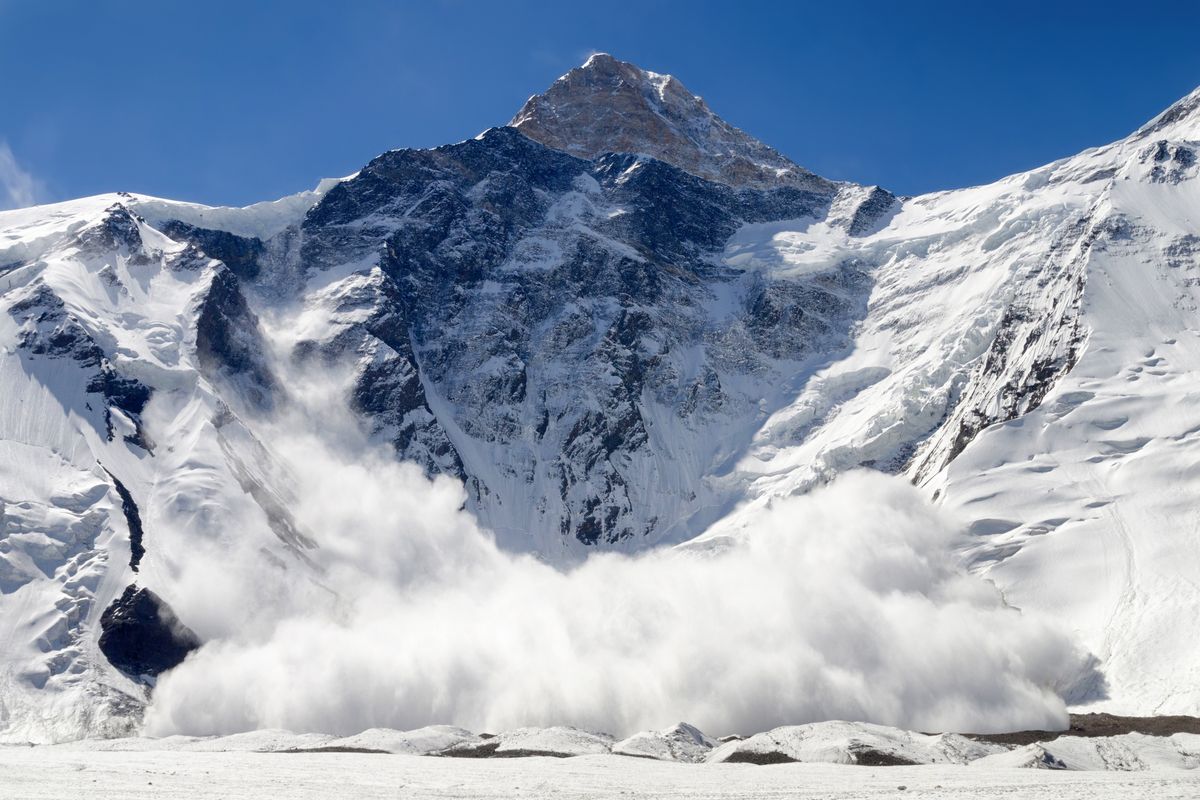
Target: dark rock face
x,y
133,518
872,211
1172,162
49,330
240,254
870,757
118,231
1036,344
142,636
761,759
556,331
492,750
1090,725
229,346
608,105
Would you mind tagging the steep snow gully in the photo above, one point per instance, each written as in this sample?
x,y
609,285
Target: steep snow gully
x,y
624,336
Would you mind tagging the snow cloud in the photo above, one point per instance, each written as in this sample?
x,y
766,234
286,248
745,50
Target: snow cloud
x,y
18,188
843,604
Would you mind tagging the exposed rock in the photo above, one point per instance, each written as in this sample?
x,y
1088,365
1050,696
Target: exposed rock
x,y
142,637
524,313
133,519
611,106
239,253
229,345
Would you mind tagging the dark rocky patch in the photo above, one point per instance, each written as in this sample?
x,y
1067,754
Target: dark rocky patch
x,y
762,759
229,345
50,331
239,253
127,394
142,637
1091,725
872,211
870,757
133,518
333,749
117,230
491,749
557,363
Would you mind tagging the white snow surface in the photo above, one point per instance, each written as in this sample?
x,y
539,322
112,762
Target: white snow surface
x,y
52,773
273,764
835,742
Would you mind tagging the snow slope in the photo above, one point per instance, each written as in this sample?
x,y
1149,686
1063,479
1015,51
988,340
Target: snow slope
x,y
1061,304
99,312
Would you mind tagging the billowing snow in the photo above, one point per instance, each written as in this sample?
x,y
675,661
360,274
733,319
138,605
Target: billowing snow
x,y
1084,508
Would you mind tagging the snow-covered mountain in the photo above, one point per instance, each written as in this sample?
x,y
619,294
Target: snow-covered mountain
x,y
621,322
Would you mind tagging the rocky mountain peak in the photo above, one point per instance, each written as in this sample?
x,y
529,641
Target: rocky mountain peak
x,y
608,105
1181,119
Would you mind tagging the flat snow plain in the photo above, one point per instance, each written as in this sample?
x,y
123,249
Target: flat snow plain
x,y
61,773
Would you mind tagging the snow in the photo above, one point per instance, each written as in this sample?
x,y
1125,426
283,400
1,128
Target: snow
x,y
422,741
847,742
25,233
262,220
64,552
1132,752
51,773
556,741
1083,509
682,742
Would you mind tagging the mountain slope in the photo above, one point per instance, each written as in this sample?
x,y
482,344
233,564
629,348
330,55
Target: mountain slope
x,y
1062,304
620,323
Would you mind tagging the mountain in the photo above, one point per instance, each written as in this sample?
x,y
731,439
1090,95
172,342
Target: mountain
x,y
608,106
621,323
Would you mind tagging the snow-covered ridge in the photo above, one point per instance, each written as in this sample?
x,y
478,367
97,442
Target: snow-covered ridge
x,y
26,233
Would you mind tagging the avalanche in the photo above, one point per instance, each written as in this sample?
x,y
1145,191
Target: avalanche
x,y
614,352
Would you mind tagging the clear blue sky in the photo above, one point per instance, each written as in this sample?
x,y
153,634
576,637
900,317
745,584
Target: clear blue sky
x,y
233,102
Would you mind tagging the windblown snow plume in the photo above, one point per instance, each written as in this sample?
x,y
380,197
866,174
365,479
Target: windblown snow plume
x,y
18,188
842,604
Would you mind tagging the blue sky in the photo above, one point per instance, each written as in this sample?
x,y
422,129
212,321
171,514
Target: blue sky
x,y
233,102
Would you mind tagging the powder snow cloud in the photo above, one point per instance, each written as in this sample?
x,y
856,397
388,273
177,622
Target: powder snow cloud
x,y
18,187
843,604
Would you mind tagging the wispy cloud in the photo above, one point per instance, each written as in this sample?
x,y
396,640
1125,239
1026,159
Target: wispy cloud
x,y
18,187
